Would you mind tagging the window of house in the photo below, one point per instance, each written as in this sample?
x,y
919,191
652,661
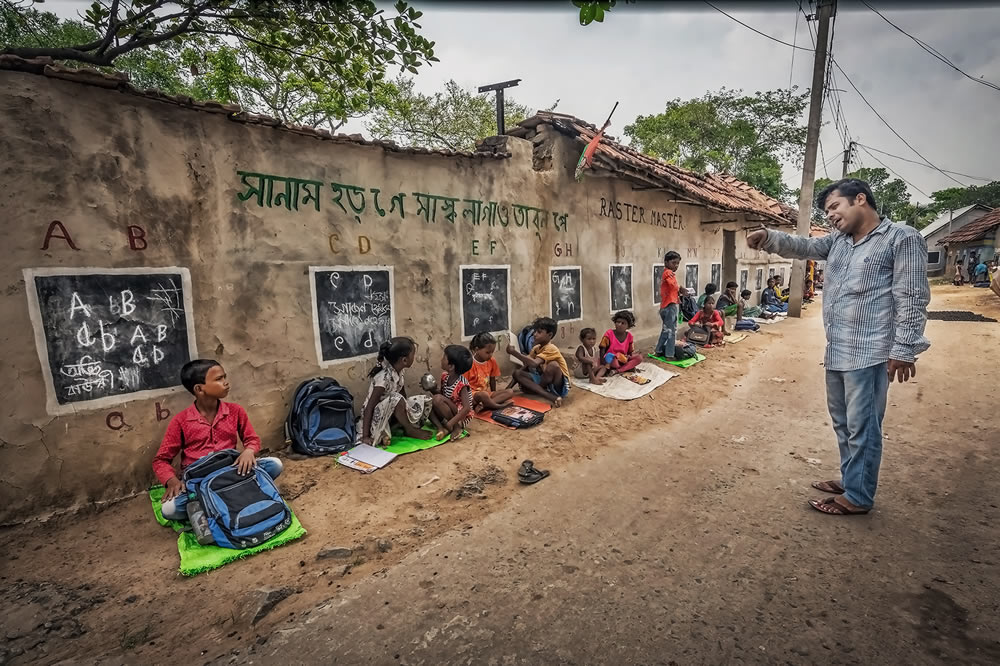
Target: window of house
x,y
933,257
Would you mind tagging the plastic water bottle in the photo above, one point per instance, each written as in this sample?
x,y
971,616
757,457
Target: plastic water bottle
x,y
199,522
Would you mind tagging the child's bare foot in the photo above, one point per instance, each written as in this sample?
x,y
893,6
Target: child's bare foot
x,y
506,404
557,402
597,381
420,434
457,432
441,434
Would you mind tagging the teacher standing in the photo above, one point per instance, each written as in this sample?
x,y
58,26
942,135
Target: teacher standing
x,y
874,310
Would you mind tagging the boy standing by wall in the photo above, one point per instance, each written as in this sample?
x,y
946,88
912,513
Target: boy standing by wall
x,y
669,306
207,426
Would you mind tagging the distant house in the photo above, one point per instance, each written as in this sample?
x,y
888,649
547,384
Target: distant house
x,y
979,238
949,222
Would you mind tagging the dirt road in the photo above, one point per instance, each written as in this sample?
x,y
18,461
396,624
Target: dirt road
x,y
673,530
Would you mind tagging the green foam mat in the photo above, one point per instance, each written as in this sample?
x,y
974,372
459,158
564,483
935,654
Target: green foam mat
x,y
196,558
686,363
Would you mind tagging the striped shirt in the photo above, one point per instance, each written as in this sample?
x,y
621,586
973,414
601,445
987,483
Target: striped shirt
x,y
875,292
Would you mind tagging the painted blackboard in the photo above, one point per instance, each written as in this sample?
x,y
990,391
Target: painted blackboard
x,y
352,311
620,276
717,276
744,279
565,293
657,279
485,301
691,279
106,335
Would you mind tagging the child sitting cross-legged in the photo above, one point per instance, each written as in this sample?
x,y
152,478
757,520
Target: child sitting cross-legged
x,y
482,376
453,402
387,401
618,346
710,319
545,373
588,358
207,426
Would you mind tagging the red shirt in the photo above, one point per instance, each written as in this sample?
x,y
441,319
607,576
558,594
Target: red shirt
x,y
669,289
193,437
716,320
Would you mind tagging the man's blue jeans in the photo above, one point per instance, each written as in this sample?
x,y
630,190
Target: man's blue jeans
x,y
176,509
668,336
856,400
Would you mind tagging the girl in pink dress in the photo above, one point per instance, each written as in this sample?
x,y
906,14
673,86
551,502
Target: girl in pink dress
x,y
618,347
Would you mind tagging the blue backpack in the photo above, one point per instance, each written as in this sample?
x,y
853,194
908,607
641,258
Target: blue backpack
x,y
321,418
242,511
526,339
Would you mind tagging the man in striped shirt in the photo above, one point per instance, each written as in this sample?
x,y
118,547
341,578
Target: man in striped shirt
x,y
874,311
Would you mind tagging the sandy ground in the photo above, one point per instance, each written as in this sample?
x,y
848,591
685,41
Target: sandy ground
x,y
673,530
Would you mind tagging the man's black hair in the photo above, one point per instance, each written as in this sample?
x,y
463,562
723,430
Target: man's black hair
x,y
732,285
848,187
194,372
670,256
547,324
711,288
460,357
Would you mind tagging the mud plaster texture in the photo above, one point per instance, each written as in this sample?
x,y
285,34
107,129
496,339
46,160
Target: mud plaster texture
x,y
100,160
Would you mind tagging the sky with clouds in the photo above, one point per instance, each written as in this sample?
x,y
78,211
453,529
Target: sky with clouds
x,y
649,52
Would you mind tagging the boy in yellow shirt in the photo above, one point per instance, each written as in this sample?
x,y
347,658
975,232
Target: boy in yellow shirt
x,y
545,373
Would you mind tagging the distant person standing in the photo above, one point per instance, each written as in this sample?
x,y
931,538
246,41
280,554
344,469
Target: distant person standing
x,y
874,312
669,306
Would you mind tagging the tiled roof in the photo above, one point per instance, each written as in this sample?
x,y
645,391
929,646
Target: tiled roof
x,y
975,230
119,81
720,192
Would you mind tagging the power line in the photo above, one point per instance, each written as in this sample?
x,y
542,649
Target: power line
x,y
933,51
795,36
889,169
891,129
957,173
749,27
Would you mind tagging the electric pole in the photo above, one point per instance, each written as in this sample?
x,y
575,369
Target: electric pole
x,y
825,10
847,159
499,87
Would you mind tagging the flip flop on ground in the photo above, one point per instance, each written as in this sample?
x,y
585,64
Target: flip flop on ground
x,y
834,487
832,507
528,473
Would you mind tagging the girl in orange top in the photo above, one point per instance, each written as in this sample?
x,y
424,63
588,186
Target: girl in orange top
x,y
483,375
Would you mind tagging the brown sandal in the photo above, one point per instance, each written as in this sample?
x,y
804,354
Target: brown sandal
x,y
834,487
832,507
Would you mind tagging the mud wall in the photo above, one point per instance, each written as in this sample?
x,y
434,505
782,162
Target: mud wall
x,y
99,179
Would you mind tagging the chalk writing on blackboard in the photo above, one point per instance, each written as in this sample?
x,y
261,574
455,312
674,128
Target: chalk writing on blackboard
x,y
484,299
106,335
620,276
352,311
566,293
657,281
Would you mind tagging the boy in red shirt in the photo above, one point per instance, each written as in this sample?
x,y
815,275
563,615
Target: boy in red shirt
x,y
207,426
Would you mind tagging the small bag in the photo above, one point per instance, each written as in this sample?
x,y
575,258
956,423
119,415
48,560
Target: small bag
x,y
683,352
517,417
746,325
699,335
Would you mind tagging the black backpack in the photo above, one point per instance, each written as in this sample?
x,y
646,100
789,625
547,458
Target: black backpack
x,y
684,351
321,418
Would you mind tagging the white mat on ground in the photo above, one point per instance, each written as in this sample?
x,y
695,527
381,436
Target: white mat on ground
x,y
760,320
620,387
